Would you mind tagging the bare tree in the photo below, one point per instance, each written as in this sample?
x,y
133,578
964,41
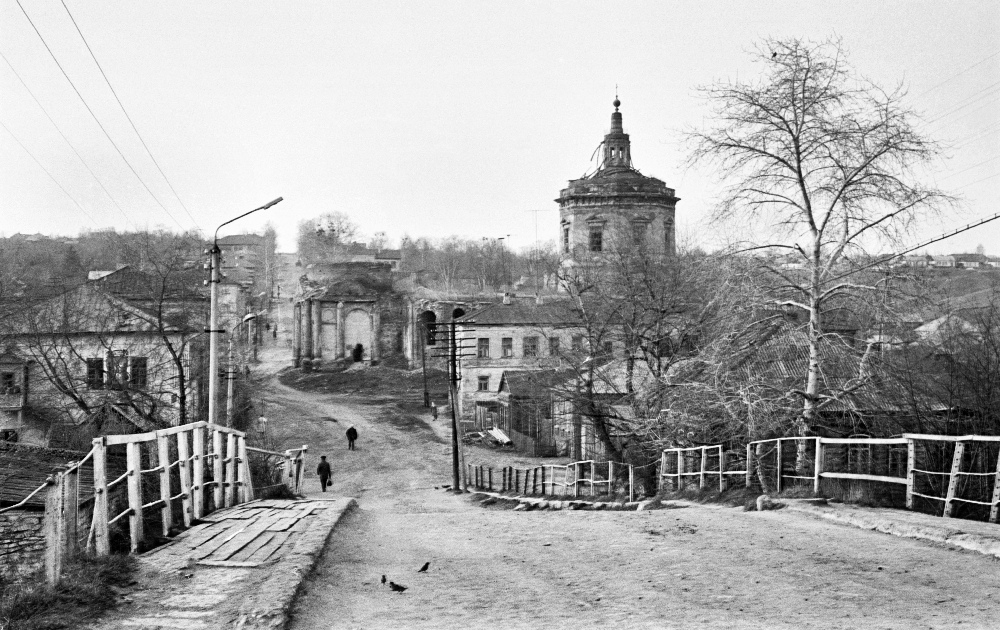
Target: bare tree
x,y
825,158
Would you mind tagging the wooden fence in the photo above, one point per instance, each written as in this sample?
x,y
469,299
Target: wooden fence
x,y
573,479
190,471
967,468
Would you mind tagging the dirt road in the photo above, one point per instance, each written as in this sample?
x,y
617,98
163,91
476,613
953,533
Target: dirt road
x,y
681,568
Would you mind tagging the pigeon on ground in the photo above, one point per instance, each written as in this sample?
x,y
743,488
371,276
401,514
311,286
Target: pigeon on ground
x,y
424,568
399,588
383,579
773,55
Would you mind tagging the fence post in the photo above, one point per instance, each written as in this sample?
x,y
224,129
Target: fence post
x,y
722,470
611,478
230,478
300,467
996,494
198,484
102,541
543,479
54,529
163,459
777,487
71,509
749,464
911,462
663,465
631,483
956,467
246,481
819,463
681,468
576,479
218,470
184,472
704,465
134,463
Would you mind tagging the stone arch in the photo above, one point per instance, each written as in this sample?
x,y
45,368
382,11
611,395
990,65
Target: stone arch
x,y
428,320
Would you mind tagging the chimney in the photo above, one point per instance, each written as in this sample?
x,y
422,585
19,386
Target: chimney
x,y
507,298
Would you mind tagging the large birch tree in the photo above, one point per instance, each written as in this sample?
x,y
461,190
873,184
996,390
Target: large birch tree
x,y
830,162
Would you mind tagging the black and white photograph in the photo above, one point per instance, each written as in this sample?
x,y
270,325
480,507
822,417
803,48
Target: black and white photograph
x,y
445,314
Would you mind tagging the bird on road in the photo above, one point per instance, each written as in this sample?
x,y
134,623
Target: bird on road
x,y
424,568
399,588
773,55
383,579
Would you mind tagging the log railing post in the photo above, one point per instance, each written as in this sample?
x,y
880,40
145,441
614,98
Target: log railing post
x,y
722,469
163,460
245,481
53,526
184,473
611,478
956,468
198,483
819,462
749,465
543,479
704,467
576,479
71,510
218,470
777,487
133,462
995,507
229,489
681,469
102,539
911,463
631,483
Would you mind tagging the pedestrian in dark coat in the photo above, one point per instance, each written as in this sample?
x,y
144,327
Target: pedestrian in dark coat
x,y
323,470
352,434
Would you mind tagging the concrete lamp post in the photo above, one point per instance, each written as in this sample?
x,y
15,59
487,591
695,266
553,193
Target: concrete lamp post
x,y
213,317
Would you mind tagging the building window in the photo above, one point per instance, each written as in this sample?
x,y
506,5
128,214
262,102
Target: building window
x,y
507,347
483,348
577,343
7,383
553,346
95,373
137,372
531,346
8,435
639,231
596,238
484,384
117,369
565,239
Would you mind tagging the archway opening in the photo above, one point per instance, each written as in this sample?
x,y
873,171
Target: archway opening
x,y
428,325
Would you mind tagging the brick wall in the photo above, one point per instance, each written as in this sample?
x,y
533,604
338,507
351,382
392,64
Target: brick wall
x,y
22,543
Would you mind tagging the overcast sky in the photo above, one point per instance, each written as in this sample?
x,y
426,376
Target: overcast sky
x,y
433,118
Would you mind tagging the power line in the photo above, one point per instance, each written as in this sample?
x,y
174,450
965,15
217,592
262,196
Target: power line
x,y
87,166
974,98
995,157
129,118
955,76
94,116
56,182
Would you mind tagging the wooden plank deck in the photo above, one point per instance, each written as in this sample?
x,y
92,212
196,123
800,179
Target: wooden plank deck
x,y
248,533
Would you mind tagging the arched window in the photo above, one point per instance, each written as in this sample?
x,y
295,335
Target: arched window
x,y
428,323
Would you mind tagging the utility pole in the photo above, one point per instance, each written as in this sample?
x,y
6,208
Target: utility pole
x,y
230,386
456,482
423,361
213,334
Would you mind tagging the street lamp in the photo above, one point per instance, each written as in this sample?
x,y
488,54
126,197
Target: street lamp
x,y
213,317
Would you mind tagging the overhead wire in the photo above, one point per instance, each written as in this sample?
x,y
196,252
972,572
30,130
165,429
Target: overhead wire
x,y
54,180
956,75
58,129
94,116
129,118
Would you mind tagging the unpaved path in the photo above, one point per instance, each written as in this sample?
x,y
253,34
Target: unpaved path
x,y
700,567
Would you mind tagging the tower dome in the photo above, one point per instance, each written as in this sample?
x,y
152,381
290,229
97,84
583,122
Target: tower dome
x,y
616,205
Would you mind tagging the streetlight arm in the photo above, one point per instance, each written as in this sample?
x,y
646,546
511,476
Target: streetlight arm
x,y
264,207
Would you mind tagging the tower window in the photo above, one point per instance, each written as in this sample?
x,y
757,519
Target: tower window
x,y
566,239
596,238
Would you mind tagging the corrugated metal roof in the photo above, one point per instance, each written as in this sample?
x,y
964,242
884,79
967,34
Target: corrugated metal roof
x,y
524,312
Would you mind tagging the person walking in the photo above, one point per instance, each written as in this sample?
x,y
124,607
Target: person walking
x,y
323,470
434,411
352,434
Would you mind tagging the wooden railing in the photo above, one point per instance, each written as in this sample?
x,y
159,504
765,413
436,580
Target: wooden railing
x,y
768,461
571,479
212,472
